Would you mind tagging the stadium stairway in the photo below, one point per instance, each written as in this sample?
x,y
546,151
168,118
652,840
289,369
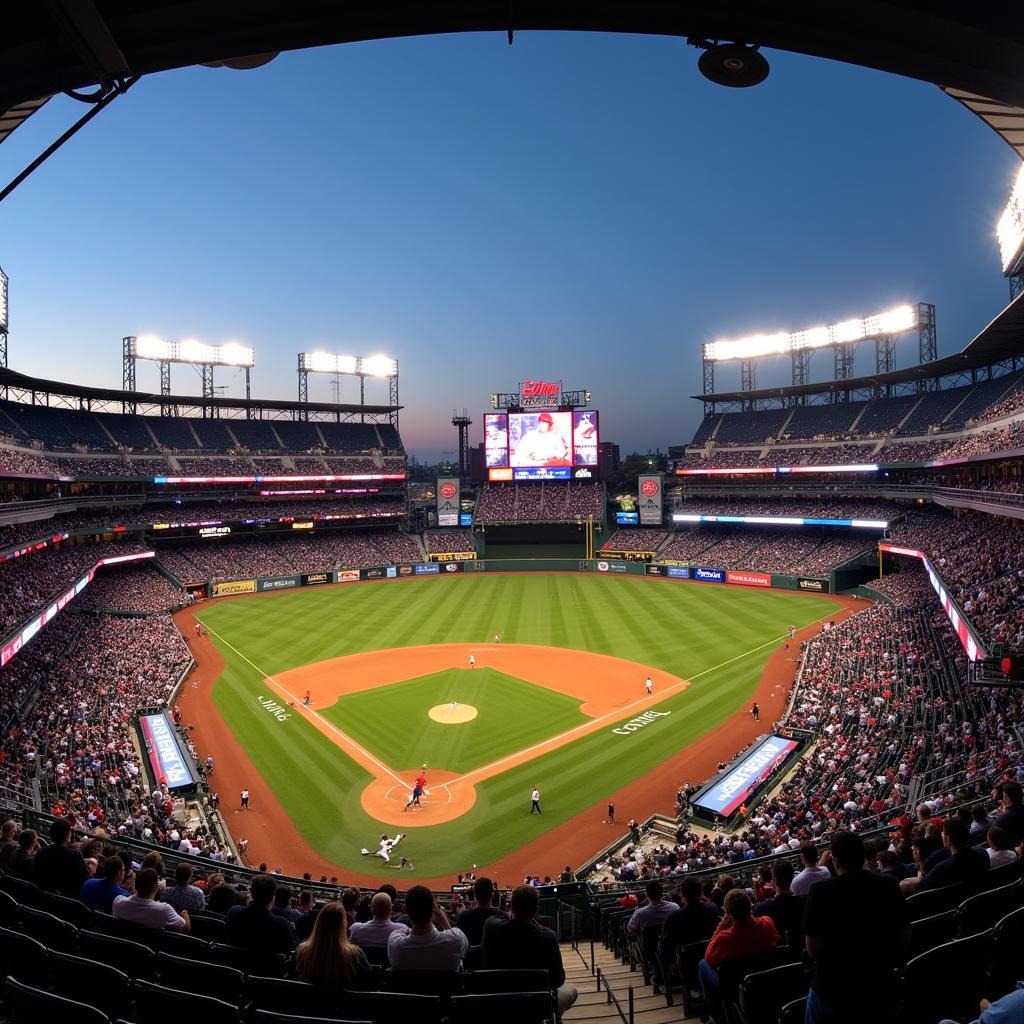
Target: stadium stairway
x,y
594,1006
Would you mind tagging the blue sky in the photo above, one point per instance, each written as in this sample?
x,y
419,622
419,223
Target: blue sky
x,y
581,207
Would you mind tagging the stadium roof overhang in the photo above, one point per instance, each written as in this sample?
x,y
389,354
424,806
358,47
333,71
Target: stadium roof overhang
x,y
1000,342
971,50
85,397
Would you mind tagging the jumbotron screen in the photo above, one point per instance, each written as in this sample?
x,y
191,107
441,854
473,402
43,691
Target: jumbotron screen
x,y
540,445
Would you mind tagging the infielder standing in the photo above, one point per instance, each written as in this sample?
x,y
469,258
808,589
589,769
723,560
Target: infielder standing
x,y
650,686
472,661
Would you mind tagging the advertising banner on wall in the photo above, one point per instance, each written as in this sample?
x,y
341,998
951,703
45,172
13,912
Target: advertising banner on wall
x,y
709,575
448,501
727,794
452,556
605,566
348,575
312,579
749,579
814,585
277,583
234,587
167,759
650,490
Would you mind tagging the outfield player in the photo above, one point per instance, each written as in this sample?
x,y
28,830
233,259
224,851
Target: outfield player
x,y
535,797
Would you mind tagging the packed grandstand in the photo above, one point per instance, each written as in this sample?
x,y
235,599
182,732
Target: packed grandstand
x,y
871,866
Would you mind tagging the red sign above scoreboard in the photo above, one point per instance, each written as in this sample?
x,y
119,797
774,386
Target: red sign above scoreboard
x,y
534,394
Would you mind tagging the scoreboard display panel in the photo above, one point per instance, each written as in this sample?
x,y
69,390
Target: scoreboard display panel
x,y
541,445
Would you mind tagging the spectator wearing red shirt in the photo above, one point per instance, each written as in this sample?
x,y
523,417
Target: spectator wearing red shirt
x,y
738,934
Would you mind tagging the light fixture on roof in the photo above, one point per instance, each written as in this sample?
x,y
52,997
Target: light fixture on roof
x,y
734,65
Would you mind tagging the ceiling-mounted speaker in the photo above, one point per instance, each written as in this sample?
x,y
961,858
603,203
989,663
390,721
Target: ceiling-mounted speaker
x,y
734,65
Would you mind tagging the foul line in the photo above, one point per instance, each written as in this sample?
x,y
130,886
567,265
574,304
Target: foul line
x,y
305,707
683,683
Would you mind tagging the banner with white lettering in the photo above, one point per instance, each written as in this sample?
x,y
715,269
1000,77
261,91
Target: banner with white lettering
x,y
448,501
650,490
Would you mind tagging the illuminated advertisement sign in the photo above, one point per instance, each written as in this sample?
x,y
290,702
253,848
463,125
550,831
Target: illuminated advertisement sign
x,y
748,579
679,572
584,437
689,517
534,394
543,473
16,641
452,556
277,583
604,566
969,639
627,518
348,575
259,479
448,500
166,757
866,467
727,794
465,519
709,575
312,579
649,499
214,531
426,568
499,475
496,439
302,526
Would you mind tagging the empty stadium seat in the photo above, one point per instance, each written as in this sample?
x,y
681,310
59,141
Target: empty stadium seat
x,y
26,893
1007,962
269,1017
194,976
109,989
428,983
8,908
205,925
946,981
982,911
764,993
67,909
179,944
250,961
22,956
393,1007
479,983
285,996
794,1012
136,960
157,1004
503,1008
928,932
49,930
28,1005
934,901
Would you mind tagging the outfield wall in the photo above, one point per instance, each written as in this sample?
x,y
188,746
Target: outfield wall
x,y
464,562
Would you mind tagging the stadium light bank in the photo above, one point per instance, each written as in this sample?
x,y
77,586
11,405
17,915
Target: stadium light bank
x,y
891,322
380,366
1010,229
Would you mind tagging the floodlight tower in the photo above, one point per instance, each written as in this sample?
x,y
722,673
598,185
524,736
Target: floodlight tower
x,y
1010,234
461,422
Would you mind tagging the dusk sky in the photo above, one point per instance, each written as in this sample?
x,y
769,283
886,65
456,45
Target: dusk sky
x,y
578,207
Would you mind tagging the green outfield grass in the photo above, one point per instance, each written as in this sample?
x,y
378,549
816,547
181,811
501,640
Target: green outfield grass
x,y
513,714
719,637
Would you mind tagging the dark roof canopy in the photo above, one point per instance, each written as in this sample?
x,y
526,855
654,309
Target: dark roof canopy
x,y
10,379
1000,341
47,46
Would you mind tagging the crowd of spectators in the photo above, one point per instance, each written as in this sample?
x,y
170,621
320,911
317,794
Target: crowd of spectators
x,y
76,740
441,541
222,559
546,502
223,466
635,539
980,559
30,583
134,587
14,461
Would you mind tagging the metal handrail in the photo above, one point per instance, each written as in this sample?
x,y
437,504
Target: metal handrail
x,y
625,1016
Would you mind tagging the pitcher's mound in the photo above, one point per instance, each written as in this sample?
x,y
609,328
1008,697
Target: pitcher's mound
x,y
449,715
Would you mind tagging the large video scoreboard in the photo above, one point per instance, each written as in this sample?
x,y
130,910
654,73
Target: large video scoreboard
x,y
546,444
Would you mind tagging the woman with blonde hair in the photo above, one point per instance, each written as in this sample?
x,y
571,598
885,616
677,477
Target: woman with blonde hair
x,y
327,957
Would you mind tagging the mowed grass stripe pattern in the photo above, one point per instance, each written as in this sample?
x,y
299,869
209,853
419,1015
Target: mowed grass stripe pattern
x,y
512,714
685,629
